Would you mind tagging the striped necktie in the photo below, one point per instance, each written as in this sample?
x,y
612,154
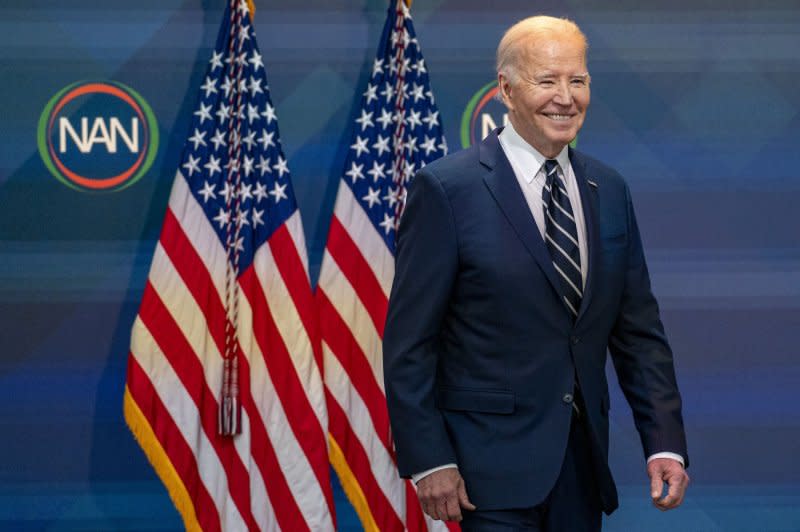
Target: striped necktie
x,y
561,236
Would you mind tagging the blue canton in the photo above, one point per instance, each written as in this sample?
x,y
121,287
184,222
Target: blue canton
x,y
238,116
398,94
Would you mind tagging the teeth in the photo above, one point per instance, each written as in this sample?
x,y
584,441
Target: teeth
x,y
560,117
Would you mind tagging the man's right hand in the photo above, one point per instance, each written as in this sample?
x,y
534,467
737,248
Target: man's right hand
x,y
442,495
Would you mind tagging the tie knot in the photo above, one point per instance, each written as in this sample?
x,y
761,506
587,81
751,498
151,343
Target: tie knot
x,y
550,169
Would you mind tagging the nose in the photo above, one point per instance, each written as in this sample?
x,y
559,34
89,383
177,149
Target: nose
x,y
563,94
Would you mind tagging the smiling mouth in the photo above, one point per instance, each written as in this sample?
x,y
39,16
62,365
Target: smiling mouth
x,y
558,117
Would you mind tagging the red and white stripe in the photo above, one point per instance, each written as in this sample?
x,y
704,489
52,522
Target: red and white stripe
x,y
275,474
352,298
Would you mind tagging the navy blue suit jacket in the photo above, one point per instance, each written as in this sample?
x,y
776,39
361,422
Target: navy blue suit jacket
x,y
480,349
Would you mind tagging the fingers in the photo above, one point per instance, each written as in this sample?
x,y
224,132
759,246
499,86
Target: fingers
x,y
442,495
463,500
656,487
677,483
677,480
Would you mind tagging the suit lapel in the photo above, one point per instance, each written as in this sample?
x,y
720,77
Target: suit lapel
x,y
592,219
505,189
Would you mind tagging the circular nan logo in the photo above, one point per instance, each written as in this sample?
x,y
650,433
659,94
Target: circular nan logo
x,y
97,136
482,114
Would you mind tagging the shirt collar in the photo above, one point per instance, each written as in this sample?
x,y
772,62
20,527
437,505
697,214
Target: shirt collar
x,y
528,156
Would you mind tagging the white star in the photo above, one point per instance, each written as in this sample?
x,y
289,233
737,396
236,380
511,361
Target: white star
x,y
365,120
264,165
382,145
411,145
269,113
418,92
386,118
191,165
227,192
227,85
413,119
377,171
257,218
387,223
404,66
212,166
432,119
248,166
429,145
266,139
388,92
241,60
218,139
369,94
255,86
209,86
216,60
207,192
250,140
243,35
360,145
239,246
377,66
198,138
245,191
420,66
222,218
408,171
396,37
204,112
260,192
372,197
355,172
252,113
255,59
278,192
241,218
391,196
223,113
443,146
281,166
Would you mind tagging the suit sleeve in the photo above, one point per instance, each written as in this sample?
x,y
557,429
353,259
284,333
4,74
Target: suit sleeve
x,y
425,271
642,356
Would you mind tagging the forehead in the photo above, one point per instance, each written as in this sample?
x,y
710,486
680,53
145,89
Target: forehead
x,y
561,54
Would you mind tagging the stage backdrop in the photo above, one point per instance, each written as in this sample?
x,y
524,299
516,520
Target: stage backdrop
x,y
695,103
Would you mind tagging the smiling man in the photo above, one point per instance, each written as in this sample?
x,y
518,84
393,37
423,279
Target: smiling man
x,y
519,267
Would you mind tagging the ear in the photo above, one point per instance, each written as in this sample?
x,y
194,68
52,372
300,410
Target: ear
x,y
505,90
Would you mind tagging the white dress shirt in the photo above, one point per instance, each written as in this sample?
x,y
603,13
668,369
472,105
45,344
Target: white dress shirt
x,y
528,166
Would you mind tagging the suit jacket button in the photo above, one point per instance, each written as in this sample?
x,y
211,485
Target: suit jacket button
x,y
575,340
567,398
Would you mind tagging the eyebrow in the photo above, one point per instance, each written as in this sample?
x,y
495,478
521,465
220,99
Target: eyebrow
x,y
545,75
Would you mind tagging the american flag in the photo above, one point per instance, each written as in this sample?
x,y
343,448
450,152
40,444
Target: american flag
x,y
397,132
224,389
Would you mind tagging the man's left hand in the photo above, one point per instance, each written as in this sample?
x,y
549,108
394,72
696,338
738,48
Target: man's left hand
x,y
672,472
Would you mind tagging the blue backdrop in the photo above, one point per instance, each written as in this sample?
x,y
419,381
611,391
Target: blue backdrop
x,y
696,103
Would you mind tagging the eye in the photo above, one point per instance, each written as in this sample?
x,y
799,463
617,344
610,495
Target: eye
x,y
546,83
578,82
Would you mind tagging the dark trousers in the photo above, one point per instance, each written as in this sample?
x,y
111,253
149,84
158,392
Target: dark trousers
x,y
572,506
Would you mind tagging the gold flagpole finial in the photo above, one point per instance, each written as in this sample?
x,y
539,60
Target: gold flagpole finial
x,y
251,5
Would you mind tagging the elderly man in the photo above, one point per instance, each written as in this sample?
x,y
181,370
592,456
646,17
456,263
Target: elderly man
x,y
519,266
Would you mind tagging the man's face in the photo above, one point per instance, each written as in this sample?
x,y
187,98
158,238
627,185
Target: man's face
x,y
548,101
